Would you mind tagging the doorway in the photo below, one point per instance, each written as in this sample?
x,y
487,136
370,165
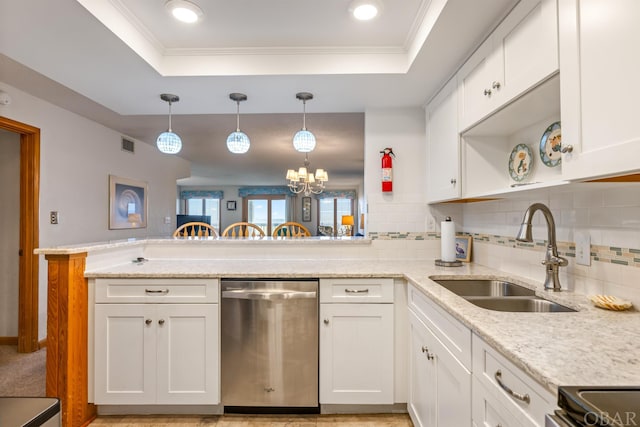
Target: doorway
x,y
29,233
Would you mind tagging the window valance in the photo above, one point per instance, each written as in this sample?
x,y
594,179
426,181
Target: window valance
x,y
262,191
337,194
201,194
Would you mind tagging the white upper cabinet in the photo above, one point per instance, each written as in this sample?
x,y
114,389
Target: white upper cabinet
x,y
521,52
443,146
600,88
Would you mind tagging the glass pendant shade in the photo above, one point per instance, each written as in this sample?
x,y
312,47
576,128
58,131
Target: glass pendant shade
x,y
169,143
304,141
238,142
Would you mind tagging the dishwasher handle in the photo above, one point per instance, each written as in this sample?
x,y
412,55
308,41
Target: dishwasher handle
x,y
268,294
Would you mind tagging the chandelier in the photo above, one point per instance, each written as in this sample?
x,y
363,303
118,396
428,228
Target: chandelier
x,y
306,182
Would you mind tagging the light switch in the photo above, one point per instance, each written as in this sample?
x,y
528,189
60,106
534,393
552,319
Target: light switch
x,y
583,248
167,220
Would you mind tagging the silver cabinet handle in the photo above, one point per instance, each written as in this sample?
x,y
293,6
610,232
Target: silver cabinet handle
x,y
326,321
523,397
487,92
157,291
567,149
267,294
148,321
356,291
426,350
496,85
161,322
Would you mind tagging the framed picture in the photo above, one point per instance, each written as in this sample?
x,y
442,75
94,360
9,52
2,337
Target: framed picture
x,y
306,209
127,203
231,205
463,248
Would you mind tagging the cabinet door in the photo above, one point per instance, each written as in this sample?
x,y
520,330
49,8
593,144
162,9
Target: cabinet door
x,y
445,397
125,354
443,153
421,405
487,411
526,43
474,85
520,53
188,360
600,87
356,354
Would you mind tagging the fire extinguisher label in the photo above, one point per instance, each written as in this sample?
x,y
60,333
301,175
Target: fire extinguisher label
x,y
387,174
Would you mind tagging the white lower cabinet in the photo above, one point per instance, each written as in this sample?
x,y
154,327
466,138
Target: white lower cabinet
x,y
502,390
439,382
356,341
156,353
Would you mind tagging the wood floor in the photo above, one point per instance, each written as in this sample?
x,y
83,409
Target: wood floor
x,y
382,420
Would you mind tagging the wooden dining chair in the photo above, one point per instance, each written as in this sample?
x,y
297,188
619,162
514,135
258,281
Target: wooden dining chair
x,y
243,229
195,229
291,229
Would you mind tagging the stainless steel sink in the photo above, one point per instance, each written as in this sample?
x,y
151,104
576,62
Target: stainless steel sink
x,y
484,288
519,304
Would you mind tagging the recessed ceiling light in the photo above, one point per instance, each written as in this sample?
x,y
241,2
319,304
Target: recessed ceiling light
x,y
184,10
364,10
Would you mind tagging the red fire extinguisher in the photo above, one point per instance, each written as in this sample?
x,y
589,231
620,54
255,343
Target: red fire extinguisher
x,y
387,170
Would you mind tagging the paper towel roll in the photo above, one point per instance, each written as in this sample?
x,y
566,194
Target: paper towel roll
x,y
448,240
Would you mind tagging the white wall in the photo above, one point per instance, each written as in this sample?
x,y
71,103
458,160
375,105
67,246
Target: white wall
x,y
405,208
9,230
77,157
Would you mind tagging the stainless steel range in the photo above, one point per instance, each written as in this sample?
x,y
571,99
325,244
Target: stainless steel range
x,y
600,406
269,344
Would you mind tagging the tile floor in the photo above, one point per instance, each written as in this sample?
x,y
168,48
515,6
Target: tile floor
x,y
375,420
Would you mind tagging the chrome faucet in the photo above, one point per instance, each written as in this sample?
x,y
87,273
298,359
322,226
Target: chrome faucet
x,y
552,261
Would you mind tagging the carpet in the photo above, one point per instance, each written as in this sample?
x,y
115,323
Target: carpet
x,y
22,374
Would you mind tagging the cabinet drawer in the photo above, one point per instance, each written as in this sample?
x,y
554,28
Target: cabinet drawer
x,y
156,291
453,334
487,411
528,401
356,290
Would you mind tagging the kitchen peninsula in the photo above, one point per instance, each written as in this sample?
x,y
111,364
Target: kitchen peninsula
x,y
590,346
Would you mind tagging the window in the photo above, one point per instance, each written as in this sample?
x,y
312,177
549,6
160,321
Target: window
x,y
331,211
265,211
203,202
204,206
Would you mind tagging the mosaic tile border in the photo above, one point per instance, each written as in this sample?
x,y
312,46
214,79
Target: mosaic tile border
x,y
609,254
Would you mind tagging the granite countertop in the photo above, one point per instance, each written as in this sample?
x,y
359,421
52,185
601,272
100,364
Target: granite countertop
x,y
589,347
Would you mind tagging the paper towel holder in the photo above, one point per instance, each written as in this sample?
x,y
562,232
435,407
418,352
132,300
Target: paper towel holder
x,y
443,263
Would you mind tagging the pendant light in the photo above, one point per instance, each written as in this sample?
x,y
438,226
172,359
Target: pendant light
x,y
238,142
304,141
169,142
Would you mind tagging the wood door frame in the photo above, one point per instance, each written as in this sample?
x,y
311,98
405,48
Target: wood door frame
x,y
29,232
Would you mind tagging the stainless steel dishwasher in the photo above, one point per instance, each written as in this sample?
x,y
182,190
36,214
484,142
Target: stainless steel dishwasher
x,y
269,344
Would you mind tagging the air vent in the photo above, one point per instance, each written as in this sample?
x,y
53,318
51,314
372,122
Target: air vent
x,y
128,145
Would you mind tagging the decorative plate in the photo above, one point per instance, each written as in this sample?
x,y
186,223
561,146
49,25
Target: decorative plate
x,y
609,302
520,162
551,145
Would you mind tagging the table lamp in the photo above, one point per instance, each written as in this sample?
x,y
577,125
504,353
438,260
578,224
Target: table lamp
x,y
347,222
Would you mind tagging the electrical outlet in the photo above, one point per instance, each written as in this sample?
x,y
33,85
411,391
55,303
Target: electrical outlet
x,y
167,220
583,248
53,217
